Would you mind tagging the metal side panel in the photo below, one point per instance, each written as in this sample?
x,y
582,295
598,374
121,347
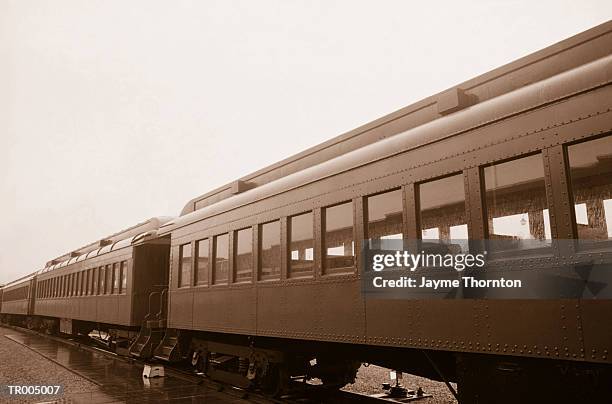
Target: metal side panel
x,y
597,333
180,303
225,309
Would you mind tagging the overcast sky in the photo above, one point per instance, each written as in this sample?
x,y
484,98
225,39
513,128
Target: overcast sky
x,y
112,112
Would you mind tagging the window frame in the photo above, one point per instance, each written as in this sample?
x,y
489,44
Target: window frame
x,y
341,270
310,273
212,279
273,277
196,256
181,282
234,256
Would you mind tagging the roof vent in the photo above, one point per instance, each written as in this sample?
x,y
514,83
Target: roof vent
x,y
105,242
240,186
452,100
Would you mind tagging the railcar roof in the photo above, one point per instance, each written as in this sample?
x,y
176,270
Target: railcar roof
x,y
583,78
550,61
16,282
113,242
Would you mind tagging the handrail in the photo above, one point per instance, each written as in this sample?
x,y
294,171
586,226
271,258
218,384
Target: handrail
x,y
163,295
148,316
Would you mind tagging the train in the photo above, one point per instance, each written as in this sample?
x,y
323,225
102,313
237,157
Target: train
x,y
260,281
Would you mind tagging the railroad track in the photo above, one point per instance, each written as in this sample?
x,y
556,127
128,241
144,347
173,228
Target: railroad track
x,y
301,393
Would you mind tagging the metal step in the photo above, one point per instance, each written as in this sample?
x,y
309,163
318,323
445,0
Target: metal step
x,y
169,349
145,343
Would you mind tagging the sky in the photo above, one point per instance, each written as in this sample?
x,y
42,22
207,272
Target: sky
x,y
112,112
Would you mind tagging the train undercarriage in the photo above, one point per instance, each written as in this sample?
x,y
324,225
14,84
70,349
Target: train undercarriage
x,y
277,366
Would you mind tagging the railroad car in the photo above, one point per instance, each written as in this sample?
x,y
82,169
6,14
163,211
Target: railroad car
x,y
109,285
18,300
263,277
265,272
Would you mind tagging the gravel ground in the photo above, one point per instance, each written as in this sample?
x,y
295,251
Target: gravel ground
x,y
21,366
370,379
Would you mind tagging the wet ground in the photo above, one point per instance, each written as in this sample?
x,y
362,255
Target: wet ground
x,y
100,379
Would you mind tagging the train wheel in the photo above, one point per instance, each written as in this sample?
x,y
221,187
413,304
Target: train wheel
x,y
276,381
340,374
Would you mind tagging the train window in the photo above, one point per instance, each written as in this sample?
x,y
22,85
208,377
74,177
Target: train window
x,y
516,203
243,255
124,274
185,265
269,248
94,281
115,278
385,216
202,252
301,245
100,290
442,212
221,260
103,275
108,279
121,271
338,238
590,166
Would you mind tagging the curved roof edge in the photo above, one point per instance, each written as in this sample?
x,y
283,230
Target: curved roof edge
x,y
583,78
567,54
108,243
24,278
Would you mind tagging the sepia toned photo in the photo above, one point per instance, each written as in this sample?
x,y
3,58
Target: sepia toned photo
x,y
305,202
